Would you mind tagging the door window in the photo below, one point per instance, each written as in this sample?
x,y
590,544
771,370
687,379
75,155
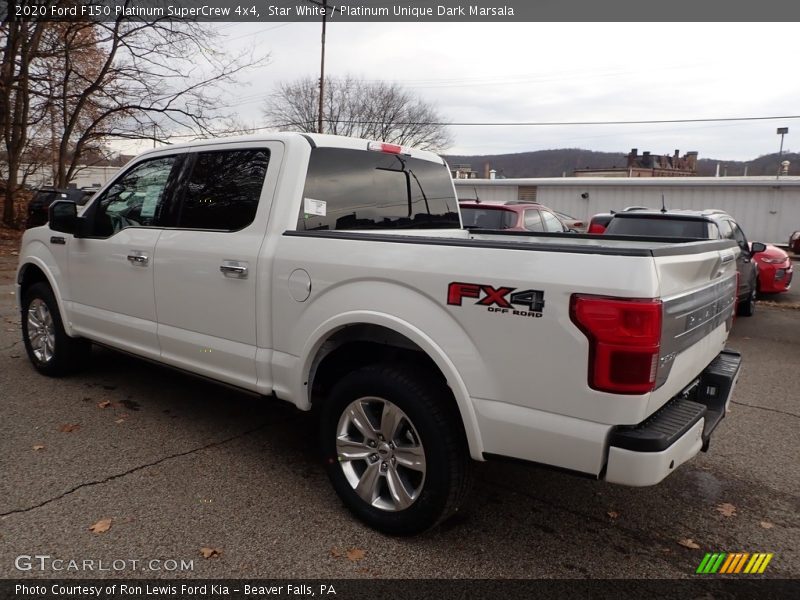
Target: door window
x,y
533,220
738,235
551,222
137,199
223,189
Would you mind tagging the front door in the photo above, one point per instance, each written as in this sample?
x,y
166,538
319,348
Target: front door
x,y
111,296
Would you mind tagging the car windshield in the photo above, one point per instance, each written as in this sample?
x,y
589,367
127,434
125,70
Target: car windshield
x,y
487,218
658,226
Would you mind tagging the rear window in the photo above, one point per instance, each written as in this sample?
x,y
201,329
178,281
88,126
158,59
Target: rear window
x,y
359,189
658,227
488,218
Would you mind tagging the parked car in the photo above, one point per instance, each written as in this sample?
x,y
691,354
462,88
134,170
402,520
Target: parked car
x,y
794,242
44,197
574,224
774,270
697,225
599,222
333,273
511,216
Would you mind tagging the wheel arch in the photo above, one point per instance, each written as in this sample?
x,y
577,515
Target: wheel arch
x,y
348,341
33,271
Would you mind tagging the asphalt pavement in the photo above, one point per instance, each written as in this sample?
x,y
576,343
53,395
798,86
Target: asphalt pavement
x,y
230,485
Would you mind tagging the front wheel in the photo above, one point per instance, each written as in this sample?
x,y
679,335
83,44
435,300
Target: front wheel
x,y
394,449
49,347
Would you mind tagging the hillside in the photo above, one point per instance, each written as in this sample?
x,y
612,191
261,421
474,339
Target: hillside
x,y
554,163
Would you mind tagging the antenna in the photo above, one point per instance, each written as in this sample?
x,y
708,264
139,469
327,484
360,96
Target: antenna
x,y
477,200
663,205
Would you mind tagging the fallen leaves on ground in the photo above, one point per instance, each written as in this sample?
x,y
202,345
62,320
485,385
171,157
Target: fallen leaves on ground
x,y
38,447
767,525
104,404
207,552
352,554
101,526
69,427
612,514
689,543
355,554
727,509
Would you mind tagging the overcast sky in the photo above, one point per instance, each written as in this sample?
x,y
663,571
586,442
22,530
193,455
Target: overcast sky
x,y
558,72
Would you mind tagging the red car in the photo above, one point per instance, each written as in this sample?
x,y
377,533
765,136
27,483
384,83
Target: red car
x,y
512,216
774,270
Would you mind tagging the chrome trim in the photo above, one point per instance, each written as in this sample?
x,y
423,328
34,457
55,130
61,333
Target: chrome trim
x,y
690,316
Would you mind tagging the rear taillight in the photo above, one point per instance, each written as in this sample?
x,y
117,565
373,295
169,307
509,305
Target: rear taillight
x,y
624,341
596,228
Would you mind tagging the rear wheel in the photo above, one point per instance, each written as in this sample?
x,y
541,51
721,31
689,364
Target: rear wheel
x,y
394,449
49,347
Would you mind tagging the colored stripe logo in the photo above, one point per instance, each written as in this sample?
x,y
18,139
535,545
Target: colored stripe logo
x,y
729,563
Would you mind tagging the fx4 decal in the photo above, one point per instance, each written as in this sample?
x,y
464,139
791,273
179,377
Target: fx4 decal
x,y
500,300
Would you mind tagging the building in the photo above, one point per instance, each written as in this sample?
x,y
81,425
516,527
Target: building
x,y
768,208
648,165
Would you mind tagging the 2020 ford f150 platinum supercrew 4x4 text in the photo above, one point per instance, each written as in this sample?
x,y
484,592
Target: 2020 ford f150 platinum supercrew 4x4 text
x,y
333,273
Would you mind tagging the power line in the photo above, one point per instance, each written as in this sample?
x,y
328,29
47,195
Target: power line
x,y
529,123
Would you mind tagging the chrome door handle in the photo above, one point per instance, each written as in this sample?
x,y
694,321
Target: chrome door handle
x,y
233,268
138,258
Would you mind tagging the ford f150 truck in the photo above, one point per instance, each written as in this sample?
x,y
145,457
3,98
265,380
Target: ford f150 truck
x,y
333,273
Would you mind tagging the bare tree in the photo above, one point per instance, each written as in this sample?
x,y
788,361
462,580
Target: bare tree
x,y
71,87
20,47
376,110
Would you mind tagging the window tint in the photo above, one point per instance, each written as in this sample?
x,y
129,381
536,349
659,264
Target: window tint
x,y
223,189
488,218
533,220
551,222
359,189
658,227
137,199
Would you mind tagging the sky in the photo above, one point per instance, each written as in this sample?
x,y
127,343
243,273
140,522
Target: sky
x,y
481,72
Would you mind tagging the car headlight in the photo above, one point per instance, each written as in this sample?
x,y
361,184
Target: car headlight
x,y
773,261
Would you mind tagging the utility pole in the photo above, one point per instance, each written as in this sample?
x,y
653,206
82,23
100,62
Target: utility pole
x,y
782,131
322,66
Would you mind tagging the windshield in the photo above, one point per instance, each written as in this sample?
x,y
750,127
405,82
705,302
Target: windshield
x,y
658,226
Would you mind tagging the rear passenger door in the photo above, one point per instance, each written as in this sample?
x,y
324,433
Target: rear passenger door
x,y
209,277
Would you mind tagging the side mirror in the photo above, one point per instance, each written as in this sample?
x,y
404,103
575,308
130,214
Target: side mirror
x,y
63,216
757,247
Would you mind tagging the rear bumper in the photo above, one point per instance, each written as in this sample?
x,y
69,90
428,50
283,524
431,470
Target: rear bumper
x,y
646,453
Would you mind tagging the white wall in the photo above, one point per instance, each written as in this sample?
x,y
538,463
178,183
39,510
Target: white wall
x,y
767,212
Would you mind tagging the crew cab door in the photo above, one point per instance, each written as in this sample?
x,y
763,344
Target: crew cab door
x,y
208,267
111,269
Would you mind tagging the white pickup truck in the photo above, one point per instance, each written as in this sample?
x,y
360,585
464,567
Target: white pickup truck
x,y
334,273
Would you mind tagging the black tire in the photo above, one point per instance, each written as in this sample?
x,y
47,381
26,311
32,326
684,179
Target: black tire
x,y
64,354
430,425
747,308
